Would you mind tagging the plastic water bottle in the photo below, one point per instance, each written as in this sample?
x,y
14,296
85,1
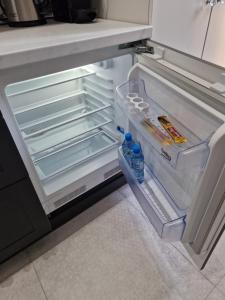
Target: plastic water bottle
x,y
127,147
138,162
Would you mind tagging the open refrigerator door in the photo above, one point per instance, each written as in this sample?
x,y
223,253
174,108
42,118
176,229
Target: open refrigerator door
x,y
182,140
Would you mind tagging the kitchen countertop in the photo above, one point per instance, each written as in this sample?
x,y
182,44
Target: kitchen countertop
x,y
28,45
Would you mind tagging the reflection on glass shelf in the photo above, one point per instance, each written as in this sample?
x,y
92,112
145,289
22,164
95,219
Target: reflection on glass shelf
x,y
165,216
44,118
47,81
37,145
72,154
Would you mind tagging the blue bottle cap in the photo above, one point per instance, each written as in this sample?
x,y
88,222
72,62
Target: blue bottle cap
x,y
128,137
136,148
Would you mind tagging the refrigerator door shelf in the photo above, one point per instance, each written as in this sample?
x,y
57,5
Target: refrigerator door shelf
x,y
168,220
178,167
38,145
42,119
73,154
194,152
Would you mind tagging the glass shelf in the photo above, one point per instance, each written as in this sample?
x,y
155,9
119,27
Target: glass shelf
x,y
40,144
47,81
44,118
167,219
73,154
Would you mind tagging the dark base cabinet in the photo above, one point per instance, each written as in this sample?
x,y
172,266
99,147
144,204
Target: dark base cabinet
x,y
22,218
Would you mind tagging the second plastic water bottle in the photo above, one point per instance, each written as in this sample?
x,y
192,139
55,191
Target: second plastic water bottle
x,y
127,147
138,163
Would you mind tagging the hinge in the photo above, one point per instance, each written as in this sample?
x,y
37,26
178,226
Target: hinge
x,y
138,46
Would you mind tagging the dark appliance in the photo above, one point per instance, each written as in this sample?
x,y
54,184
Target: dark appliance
x,y
73,11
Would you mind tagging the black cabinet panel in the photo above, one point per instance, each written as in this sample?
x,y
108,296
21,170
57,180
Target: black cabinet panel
x,y
22,218
14,214
11,165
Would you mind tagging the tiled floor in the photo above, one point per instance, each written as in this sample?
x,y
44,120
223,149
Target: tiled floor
x,y
110,252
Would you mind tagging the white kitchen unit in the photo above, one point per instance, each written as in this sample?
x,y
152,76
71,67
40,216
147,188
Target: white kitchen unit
x,y
181,24
194,27
64,94
135,11
215,43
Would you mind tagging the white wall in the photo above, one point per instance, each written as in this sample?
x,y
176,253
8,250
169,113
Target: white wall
x,y
135,11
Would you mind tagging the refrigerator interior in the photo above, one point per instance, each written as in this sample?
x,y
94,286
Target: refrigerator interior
x,y
173,171
68,123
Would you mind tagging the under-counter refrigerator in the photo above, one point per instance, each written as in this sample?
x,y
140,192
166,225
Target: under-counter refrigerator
x,y
64,115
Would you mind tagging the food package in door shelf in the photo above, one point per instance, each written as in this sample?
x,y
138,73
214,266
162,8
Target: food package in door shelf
x,y
172,131
160,134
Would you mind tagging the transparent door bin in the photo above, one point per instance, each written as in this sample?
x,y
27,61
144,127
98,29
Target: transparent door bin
x,y
73,154
167,219
54,114
41,144
193,153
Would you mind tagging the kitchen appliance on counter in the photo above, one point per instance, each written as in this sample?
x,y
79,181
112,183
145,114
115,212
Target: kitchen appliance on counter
x,y
73,11
22,13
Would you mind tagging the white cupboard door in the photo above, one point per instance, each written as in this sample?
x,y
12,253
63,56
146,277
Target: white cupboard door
x,y
181,24
134,11
215,42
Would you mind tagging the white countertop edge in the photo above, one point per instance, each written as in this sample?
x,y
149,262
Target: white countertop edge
x,y
63,39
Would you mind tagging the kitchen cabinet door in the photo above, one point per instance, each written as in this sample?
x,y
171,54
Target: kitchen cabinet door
x,y
22,219
181,24
215,42
133,11
11,165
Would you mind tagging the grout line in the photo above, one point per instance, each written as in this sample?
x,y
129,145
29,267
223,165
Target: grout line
x,y
210,293
38,277
186,258
219,283
207,31
149,12
107,10
196,268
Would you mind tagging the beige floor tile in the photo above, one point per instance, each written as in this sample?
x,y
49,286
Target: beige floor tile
x,y
215,295
220,248
23,285
58,236
214,270
111,251
175,266
118,255
221,285
13,265
107,259
177,272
